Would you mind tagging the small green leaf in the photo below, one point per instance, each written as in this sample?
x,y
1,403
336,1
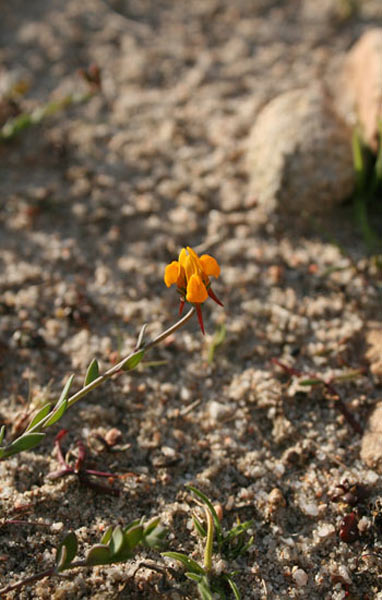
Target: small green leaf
x,y
116,541
25,442
190,564
204,589
107,535
238,530
66,551
39,415
307,382
92,373
134,536
2,433
153,524
133,361
154,534
99,554
57,413
65,391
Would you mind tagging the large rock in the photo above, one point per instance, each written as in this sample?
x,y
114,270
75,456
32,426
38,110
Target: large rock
x,y
359,87
299,154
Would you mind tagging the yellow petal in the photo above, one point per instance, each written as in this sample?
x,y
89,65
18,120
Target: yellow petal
x,y
210,265
196,290
171,273
183,257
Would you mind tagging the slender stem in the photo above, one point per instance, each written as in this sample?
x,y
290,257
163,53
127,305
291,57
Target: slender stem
x,y
209,540
119,367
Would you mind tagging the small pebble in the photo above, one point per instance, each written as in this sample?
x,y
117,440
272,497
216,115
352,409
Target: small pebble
x,y
299,576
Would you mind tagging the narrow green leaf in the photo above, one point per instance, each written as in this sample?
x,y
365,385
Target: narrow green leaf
x,y
65,391
66,551
2,433
92,373
99,554
57,413
133,361
233,587
25,442
193,576
209,504
190,564
358,161
39,415
107,535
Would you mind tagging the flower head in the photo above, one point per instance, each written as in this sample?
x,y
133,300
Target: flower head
x,y
191,275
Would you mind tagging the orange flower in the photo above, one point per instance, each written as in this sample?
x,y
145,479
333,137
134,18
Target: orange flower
x,y
191,275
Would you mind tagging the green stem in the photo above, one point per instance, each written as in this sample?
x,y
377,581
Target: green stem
x,y
209,541
118,367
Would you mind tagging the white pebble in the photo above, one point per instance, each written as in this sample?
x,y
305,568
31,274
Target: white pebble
x,y
326,530
300,577
308,508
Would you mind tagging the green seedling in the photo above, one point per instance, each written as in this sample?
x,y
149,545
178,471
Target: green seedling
x,y
229,544
226,545
217,341
16,125
118,544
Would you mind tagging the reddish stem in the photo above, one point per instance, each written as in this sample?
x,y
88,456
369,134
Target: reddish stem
x,y
330,388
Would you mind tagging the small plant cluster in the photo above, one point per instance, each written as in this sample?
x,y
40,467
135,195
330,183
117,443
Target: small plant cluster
x,y
192,276
120,544
116,545
217,542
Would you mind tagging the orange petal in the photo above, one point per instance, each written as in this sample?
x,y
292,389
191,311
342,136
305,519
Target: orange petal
x,y
196,290
171,273
210,265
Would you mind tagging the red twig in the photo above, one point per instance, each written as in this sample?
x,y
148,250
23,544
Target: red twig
x,y
79,468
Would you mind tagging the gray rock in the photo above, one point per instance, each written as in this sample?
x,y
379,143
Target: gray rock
x,y
299,154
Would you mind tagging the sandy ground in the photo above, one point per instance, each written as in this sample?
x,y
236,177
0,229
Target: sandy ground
x,y
94,204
